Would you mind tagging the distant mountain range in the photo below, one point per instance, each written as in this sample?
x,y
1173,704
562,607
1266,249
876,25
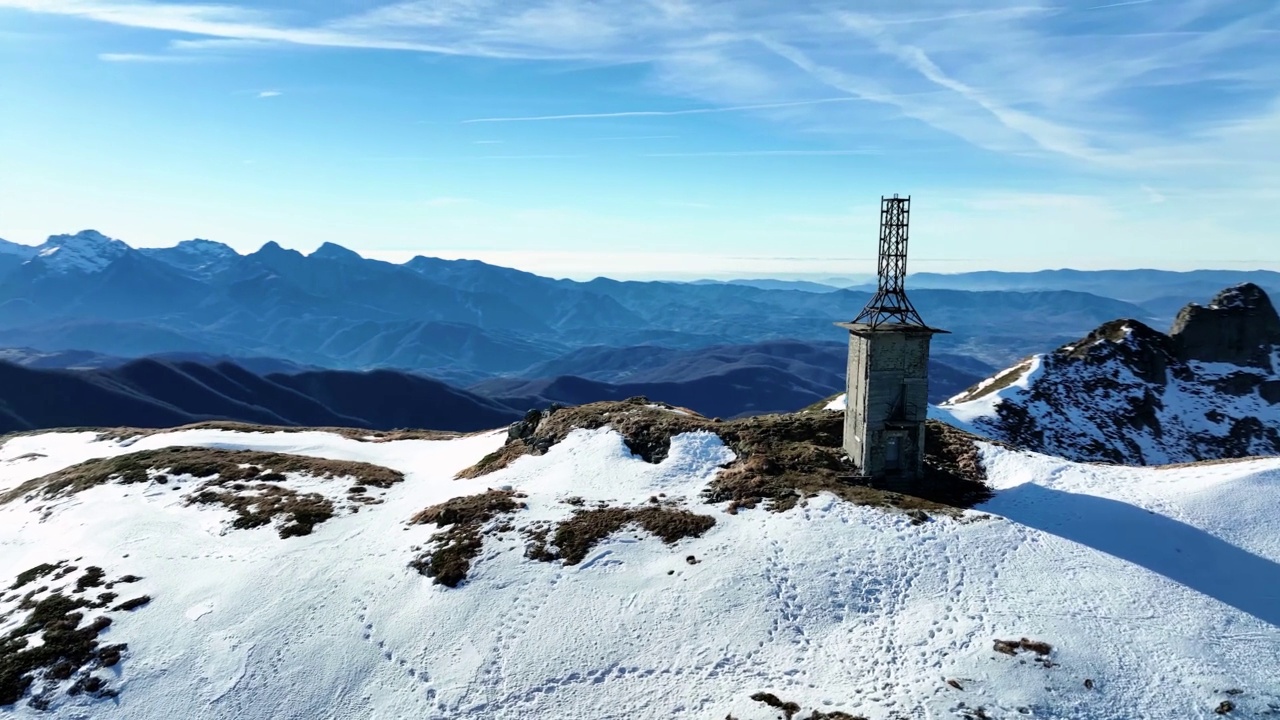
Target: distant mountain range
x,y
1152,289
1141,286
1126,393
512,338
153,393
161,391
463,320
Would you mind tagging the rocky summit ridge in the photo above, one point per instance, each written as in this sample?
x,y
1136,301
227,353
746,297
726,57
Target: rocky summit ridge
x,y
1239,326
1127,393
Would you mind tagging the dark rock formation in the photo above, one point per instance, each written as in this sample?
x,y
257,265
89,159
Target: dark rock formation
x,y
1239,326
1149,352
1126,393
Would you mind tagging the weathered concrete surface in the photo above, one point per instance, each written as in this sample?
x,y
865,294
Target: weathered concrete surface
x,y
887,401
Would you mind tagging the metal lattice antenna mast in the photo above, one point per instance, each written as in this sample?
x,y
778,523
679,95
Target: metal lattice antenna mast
x,y
890,303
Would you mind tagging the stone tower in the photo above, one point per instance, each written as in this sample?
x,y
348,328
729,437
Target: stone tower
x,y
887,388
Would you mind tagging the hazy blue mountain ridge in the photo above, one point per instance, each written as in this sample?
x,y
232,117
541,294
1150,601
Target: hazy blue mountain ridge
x,y
462,319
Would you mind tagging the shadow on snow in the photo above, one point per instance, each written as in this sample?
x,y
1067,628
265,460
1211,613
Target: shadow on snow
x,y
1185,554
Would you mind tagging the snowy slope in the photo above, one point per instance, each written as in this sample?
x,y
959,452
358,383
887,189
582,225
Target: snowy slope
x,y
199,256
1130,394
87,251
1159,586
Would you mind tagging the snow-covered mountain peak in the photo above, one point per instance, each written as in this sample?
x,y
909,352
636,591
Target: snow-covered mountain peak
x,y
1127,393
87,251
198,256
211,249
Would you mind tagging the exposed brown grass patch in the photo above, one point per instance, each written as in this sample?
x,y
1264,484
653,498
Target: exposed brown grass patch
x,y
789,709
1205,463
358,434
243,481
646,430
782,459
362,435
448,560
228,465
572,538
999,382
261,504
69,646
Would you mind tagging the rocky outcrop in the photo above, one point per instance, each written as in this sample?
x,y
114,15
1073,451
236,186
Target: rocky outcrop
x,y
1239,326
1129,394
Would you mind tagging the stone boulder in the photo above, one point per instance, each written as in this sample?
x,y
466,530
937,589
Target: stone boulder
x,y
1240,326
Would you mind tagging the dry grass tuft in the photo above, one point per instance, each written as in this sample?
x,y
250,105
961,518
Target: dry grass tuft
x,y
34,573
69,646
1011,647
789,709
574,537
448,560
261,504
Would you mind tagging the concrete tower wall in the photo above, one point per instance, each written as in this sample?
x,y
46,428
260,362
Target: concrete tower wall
x,y
887,401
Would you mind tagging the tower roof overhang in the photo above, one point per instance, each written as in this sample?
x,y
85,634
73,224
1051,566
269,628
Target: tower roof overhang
x,y
883,328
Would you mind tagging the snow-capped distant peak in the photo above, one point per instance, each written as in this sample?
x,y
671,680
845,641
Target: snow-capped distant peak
x,y
88,251
198,255
211,248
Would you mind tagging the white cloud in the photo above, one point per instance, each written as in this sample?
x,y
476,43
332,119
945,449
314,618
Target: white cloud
x,y
270,93
661,113
1033,78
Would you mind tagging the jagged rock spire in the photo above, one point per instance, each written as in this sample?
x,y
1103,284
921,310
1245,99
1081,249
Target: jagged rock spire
x,y
1238,326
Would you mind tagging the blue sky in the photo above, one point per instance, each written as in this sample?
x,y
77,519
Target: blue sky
x,y
653,137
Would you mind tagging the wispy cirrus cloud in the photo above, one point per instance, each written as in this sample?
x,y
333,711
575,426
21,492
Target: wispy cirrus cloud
x,y
661,113
1131,87
269,93
763,153
145,58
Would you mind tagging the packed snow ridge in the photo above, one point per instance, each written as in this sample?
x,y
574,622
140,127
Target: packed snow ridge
x,y
1141,592
1129,394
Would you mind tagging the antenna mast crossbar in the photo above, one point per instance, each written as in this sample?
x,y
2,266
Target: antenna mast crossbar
x,y
890,304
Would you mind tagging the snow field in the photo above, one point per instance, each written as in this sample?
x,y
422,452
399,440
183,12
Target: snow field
x,y
1153,583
